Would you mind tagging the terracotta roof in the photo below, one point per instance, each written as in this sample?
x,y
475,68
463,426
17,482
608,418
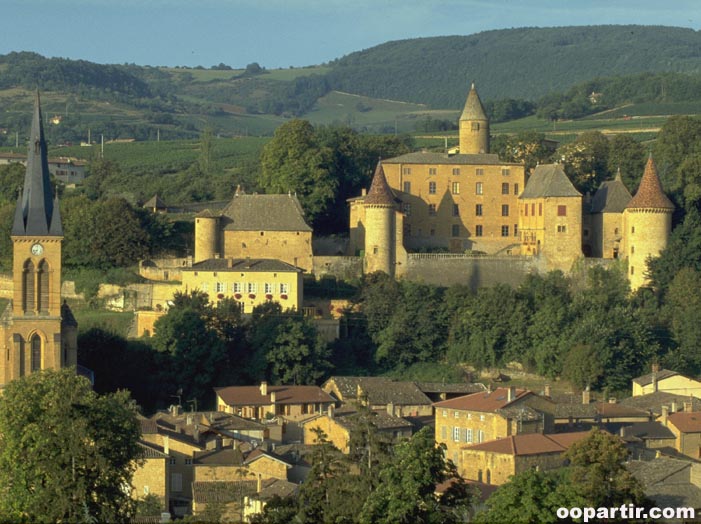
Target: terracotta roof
x,y
613,410
243,265
549,180
650,194
611,197
530,443
427,157
380,193
686,422
251,396
379,390
645,380
473,110
487,402
264,213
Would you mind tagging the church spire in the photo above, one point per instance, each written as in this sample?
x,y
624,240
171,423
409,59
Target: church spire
x,y
35,209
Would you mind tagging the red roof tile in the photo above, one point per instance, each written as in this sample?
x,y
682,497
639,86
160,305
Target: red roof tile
x,y
686,422
484,401
530,443
650,194
380,193
251,396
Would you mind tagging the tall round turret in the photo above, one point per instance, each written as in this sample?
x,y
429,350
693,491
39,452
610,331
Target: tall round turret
x,y
206,235
647,223
474,126
379,225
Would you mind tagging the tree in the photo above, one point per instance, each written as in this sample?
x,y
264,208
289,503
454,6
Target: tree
x,y
586,160
297,354
406,492
66,453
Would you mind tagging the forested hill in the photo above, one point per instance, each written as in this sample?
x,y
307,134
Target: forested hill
x,y
512,63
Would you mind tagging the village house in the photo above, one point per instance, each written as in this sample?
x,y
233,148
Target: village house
x,y
255,503
667,381
686,427
151,475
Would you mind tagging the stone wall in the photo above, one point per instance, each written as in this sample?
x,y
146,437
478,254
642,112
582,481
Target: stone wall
x,y
475,271
344,268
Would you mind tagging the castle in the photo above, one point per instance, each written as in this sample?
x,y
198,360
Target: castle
x,y
473,202
37,331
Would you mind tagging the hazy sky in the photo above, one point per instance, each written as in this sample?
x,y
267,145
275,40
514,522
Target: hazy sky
x,y
280,33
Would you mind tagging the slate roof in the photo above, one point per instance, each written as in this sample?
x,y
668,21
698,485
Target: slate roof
x,y
530,443
570,405
440,387
615,410
686,422
219,457
379,193
264,213
250,395
645,380
380,390
243,265
427,157
259,453
473,110
653,402
277,488
611,197
380,418
646,430
549,180
650,194
208,491
37,212
651,472
487,402
151,451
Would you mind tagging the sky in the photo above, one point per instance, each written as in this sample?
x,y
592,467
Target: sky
x,y
283,33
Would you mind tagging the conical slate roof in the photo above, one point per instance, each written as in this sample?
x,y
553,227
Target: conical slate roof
x,y
35,214
611,197
474,110
650,194
380,193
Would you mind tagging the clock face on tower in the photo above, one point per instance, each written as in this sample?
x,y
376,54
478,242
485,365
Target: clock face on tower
x,y
37,249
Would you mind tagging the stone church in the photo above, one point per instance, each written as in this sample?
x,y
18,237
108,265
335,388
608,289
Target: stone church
x,y
37,330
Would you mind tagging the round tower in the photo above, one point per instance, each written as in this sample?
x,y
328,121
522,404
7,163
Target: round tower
x,y
206,234
379,225
647,225
474,126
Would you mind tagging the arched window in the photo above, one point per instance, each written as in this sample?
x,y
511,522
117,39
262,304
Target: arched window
x,y
36,353
43,285
28,294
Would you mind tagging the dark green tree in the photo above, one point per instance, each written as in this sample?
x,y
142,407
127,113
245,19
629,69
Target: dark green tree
x,y
65,452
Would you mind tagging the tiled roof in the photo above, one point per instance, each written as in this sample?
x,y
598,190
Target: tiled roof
x,y
209,491
379,193
440,387
422,157
650,194
653,402
243,265
152,451
473,110
220,457
530,443
251,396
611,410
277,488
570,405
645,380
259,453
264,213
379,391
380,419
487,402
651,472
686,422
549,180
611,197
646,430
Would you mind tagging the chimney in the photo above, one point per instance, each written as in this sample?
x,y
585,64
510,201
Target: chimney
x,y
189,420
687,406
264,388
665,414
655,367
673,408
548,392
196,433
331,411
612,400
511,394
586,396
166,444
259,483
229,263
363,192
390,408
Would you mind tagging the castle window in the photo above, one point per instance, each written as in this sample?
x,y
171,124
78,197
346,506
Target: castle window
x,y
237,287
284,289
28,295
431,188
505,210
478,230
515,189
632,270
431,170
532,209
468,435
475,126
456,414
478,188
432,232
505,188
456,434
406,171
262,233
632,229
632,250
221,287
479,171
375,251
407,187
526,209
268,288
456,188
478,210
505,231
515,230
505,171
456,171
615,231
205,286
43,285
36,353
562,211
562,228
456,210
252,287
455,230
